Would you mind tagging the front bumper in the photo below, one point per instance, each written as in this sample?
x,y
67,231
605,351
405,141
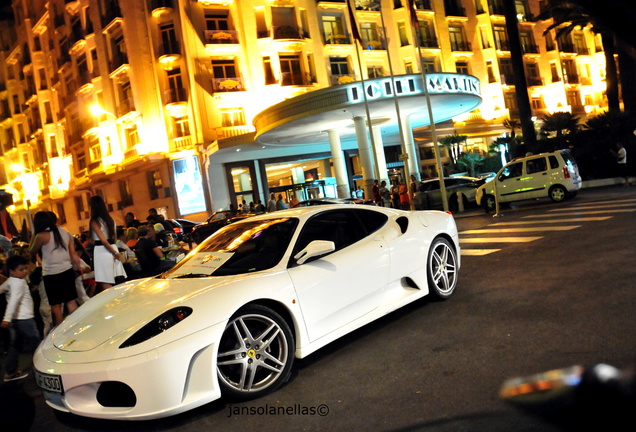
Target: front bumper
x,y
167,380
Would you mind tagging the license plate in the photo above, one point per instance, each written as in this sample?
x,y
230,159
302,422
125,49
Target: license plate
x,y
52,383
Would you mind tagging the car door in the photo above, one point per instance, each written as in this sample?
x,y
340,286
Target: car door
x,y
346,284
537,177
509,182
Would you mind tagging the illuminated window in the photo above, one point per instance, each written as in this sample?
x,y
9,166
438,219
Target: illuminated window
x,y
333,29
231,117
154,183
216,20
501,37
181,127
462,67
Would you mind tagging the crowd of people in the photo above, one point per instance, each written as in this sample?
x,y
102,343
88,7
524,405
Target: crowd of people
x,y
49,277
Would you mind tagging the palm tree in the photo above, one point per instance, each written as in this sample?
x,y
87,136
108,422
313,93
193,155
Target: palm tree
x,y
518,67
568,16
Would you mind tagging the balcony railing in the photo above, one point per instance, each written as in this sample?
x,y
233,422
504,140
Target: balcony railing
x,y
429,42
126,106
460,46
455,11
175,95
289,32
534,81
337,39
181,143
529,49
373,45
227,132
571,79
342,79
118,60
230,84
295,79
221,37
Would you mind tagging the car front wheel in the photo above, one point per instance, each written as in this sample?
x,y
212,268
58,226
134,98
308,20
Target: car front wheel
x,y
558,193
256,352
442,268
488,203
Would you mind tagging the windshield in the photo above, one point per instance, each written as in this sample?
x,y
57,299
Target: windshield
x,y
238,248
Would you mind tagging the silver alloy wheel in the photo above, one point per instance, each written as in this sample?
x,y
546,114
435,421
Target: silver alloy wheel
x,y
255,353
558,193
442,268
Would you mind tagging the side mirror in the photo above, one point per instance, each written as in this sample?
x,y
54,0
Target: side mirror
x,y
314,249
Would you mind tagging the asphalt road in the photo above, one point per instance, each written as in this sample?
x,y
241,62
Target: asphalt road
x,y
560,294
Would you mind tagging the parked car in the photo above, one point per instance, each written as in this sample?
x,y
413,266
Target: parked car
x,y
429,194
231,317
215,222
186,228
554,175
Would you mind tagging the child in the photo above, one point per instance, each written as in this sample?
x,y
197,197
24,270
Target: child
x,y
19,317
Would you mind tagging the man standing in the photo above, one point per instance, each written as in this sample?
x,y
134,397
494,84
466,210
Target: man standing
x,y
621,159
271,204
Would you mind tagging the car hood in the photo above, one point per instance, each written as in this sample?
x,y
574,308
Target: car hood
x,y
125,308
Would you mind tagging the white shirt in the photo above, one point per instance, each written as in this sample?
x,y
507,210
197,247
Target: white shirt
x,y
621,155
19,300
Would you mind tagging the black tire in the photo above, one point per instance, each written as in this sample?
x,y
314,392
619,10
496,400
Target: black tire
x,y
441,268
558,193
256,353
488,203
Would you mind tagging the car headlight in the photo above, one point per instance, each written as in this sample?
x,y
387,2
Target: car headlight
x,y
158,325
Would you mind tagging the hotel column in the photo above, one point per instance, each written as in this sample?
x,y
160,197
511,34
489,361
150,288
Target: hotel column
x,y
366,156
340,170
380,158
411,150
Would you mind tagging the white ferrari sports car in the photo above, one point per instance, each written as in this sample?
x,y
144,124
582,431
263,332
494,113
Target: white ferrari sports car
x,y
230,318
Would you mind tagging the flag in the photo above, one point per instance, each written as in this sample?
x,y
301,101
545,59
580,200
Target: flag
x,y
414,21
354,25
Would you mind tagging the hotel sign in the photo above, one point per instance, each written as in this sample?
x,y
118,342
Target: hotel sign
x,y
411,85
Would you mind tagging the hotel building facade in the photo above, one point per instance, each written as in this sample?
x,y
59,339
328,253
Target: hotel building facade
x,y
184,105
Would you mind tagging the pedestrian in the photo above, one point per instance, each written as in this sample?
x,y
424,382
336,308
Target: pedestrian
x,y
107,260
57,250
131,237
405,201
412,187
131,220
293,202
375,189
271,204
385,195
19,316
395,194
621,160
149,254
280,204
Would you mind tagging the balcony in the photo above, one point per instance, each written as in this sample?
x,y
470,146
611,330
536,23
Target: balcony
x,y
229,84
373,45
529,49
455,11
337,39
169,53
571,79
232,131
219,37
534,81
429,42
343,79
126,106
181,143
176,102
295,79
461,46
159,8
289,32
118,63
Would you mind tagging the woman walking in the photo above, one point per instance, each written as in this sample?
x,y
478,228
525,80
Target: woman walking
x,y
57,250
107,260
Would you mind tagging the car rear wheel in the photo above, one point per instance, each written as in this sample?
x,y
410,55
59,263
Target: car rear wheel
x,y
442,268
256,352
558,193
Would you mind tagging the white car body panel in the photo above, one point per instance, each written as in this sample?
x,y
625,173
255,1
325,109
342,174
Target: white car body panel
x,y
175,370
